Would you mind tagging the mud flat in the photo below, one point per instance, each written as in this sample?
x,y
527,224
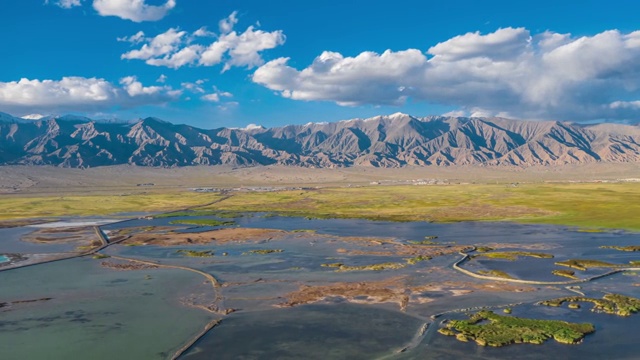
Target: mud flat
x,y
226,235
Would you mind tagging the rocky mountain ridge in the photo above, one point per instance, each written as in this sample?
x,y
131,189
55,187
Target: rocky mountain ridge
x,y
382,141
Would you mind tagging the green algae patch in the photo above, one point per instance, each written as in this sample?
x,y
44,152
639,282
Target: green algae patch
x,y
504,330
495,273
262,251
202,222
513,255
565,273
194,253
100,256
614,304
622,248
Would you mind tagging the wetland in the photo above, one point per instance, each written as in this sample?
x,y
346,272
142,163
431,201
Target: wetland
x,y
219,279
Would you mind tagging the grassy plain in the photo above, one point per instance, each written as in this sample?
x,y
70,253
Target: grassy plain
x,y
585,205
17,207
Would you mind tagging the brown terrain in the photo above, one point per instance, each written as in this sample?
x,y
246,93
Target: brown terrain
x,y
382,141
159,237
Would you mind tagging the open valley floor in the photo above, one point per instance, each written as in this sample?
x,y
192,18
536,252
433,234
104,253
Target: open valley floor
x,y
352,264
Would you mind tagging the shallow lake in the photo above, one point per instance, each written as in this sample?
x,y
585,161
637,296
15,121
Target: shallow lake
x,y
101,313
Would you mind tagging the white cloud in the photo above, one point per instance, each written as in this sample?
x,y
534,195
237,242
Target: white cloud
x,y
175,49
66,4
134,39
163,45
194,87
134,10
507,72
500,44
456,113
216,96
79,94
211,97
227,24
162,78
203,32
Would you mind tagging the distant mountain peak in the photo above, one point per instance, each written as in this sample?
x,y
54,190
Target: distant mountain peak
x,y
383,141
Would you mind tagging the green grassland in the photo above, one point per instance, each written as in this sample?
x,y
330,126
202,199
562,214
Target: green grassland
x,y
585,205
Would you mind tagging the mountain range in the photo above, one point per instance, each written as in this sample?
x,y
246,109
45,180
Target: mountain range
x,y
382,141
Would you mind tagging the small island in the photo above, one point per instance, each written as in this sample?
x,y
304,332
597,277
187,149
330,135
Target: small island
x,y
504,330
566,273
194,253
622,248
617,304
512,255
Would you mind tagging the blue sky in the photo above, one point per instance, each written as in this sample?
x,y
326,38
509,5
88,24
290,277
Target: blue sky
x,y
231,63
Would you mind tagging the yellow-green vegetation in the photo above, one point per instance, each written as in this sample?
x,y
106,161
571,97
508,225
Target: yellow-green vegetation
x,y
371,267
507,310
566,273
423,242
504,330
588,230
378,267
483,249
194,253
100,256
417,259
495,273
622,248
309,231
202,222
573,306
263,251
513,255
584,264
602,205
16,206
617,304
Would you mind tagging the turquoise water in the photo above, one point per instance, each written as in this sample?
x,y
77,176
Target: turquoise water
x,y
96,313
3,259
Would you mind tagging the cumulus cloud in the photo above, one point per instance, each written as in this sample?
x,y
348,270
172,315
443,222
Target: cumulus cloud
x,y
508,72
80,94
134,10
175,48
227,24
